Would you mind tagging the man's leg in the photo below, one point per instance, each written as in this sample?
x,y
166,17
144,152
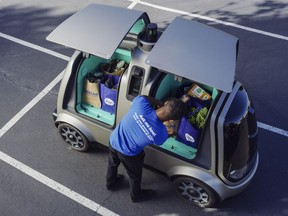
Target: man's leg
x,y
133,166
112,169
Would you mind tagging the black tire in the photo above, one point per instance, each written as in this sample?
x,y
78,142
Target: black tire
x,y
195,192
73,137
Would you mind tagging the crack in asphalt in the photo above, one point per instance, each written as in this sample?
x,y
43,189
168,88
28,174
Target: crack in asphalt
x,y
5,77
104,201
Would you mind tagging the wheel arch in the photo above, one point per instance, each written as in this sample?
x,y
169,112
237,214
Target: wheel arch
x,y
202,188
195,173
69,119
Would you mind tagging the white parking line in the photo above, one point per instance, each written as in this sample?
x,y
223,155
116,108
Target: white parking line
x,y
133,4
61,188
272,129
213,20
30,105
56,186
33,46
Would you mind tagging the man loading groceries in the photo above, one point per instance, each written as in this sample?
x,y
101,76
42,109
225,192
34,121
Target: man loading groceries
x,y
141,126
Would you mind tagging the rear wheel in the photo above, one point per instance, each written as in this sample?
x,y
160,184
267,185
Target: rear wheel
x,y
73,137
195,192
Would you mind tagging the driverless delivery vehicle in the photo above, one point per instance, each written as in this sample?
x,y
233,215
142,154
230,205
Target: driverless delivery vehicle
x,y
212,152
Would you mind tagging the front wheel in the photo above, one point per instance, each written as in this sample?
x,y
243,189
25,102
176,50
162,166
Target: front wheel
x,y
73,137
195,192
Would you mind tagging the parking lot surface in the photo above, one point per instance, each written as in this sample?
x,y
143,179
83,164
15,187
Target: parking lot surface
x,y
40,175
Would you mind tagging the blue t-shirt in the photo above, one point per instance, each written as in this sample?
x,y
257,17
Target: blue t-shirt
x,y
138,128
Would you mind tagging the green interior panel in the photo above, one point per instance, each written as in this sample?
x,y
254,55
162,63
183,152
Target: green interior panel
x,y
96,113
92,64
163,92
122,54
171,81
179,148
168,88
138,26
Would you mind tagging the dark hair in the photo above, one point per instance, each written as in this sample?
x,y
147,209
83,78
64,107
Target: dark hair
x,y
175,109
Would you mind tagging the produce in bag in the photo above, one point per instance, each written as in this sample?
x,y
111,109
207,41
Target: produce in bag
x,y
115,67
198,117
190,127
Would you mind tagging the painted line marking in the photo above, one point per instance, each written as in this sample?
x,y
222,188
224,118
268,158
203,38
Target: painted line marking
x,y
272,129
56,186
33,46
133,4
30,105
213,20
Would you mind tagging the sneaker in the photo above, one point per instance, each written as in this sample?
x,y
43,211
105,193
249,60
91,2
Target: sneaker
x,y
145,194
115,183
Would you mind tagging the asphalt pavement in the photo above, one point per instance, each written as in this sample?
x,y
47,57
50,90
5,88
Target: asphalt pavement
x,y
40,175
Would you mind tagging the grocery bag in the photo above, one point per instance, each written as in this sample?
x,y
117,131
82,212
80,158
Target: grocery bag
x,y
187,133
190,126
91,92
115,67
108,92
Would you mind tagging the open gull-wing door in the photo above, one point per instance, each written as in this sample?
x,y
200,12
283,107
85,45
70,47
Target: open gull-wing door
x,y
97,29
197,52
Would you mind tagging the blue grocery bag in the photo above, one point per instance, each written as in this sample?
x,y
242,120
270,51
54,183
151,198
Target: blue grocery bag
x,y
188,134
108,93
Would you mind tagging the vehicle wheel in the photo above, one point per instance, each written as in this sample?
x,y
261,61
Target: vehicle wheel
x,y
73,137
195,192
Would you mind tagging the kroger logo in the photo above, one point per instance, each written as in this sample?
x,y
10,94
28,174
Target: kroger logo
x,y
109,102
189,138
